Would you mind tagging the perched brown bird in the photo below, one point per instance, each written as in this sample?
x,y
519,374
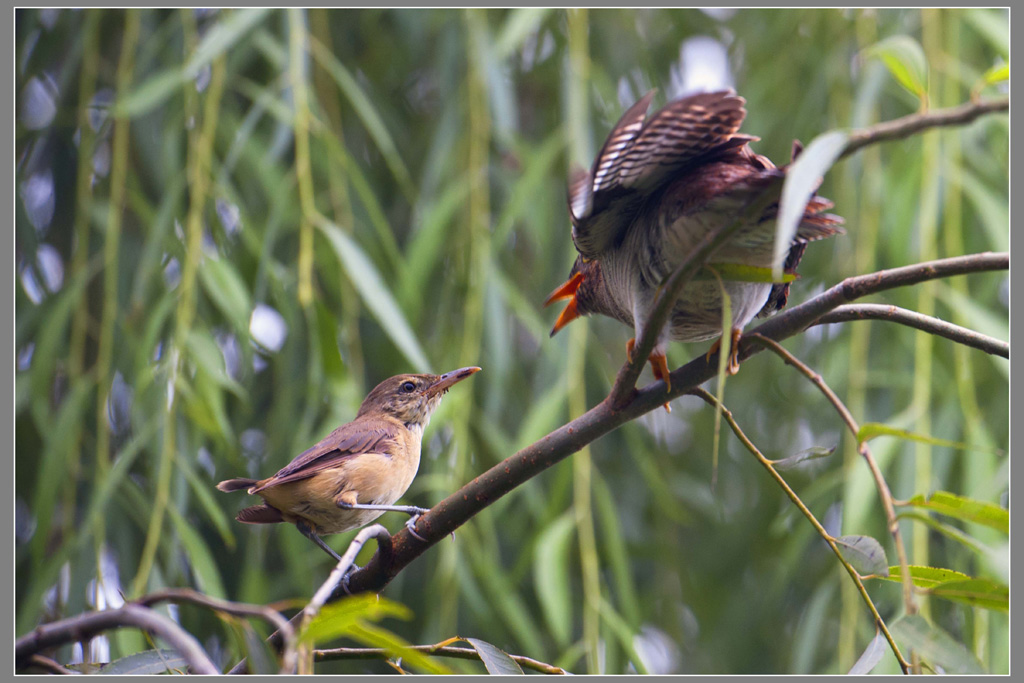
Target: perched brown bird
x,y
656,188
354,475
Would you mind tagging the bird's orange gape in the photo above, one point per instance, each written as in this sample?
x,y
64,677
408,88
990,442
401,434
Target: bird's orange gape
x,y
566,291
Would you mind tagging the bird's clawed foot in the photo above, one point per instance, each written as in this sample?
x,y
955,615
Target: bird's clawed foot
x,y
411,524
733,365
659,366
352,568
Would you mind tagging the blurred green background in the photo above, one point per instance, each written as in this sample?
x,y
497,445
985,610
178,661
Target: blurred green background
x,y
316,200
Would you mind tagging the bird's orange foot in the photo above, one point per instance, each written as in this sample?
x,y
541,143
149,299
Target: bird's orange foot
x,y
733,365
659,366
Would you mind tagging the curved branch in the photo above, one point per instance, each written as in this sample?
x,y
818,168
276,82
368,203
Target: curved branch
x,y
187,595
908,125
925,323
89,624
456,509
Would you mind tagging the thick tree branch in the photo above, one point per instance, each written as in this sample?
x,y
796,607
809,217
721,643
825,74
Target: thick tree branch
x,y
925,323
86,625
456,509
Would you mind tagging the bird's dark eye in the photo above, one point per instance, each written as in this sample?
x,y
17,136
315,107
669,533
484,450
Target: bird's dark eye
x,y
408,387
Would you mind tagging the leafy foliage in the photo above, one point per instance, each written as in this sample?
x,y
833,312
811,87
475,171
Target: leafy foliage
x,y
311,201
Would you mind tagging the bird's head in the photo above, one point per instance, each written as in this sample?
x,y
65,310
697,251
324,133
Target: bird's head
x,y
582,289
411,398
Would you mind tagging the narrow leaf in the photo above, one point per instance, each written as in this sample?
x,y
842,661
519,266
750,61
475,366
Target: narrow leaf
x,y
865,554
925,577
802,180
146,663
153,92
339,618
740,273
967,509
935,646
225,287
997,74
871,656
222,36
368,114
905,59
521,22
497,661
812,453
551,576
975,592
870,430
375,294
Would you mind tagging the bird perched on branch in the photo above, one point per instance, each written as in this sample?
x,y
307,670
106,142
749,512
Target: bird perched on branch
x,y
360,469
658,186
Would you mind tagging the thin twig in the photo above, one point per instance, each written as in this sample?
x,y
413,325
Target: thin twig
x,y
768,465
187,595
439,650
84,626
925,323
338,573
883,488
50,666
914,123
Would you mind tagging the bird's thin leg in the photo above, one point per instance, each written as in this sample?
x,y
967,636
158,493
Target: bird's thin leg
x,y
413,511
308,532
734,362
659,366
734,351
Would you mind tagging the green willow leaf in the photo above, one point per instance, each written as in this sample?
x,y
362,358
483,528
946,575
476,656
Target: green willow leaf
x,y
975,592
924,577
997,74
736,272
802,180
803,456
551,576
871,430
935,646
147,662
871,656
223,35
227,290
865,554
375,294
337,618
905,59
967,509
496,660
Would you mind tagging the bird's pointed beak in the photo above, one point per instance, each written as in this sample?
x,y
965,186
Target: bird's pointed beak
x,y
566,291
569,313
449,378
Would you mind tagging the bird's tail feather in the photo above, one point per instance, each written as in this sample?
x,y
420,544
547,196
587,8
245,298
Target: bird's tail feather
x,y
260,514
235,484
